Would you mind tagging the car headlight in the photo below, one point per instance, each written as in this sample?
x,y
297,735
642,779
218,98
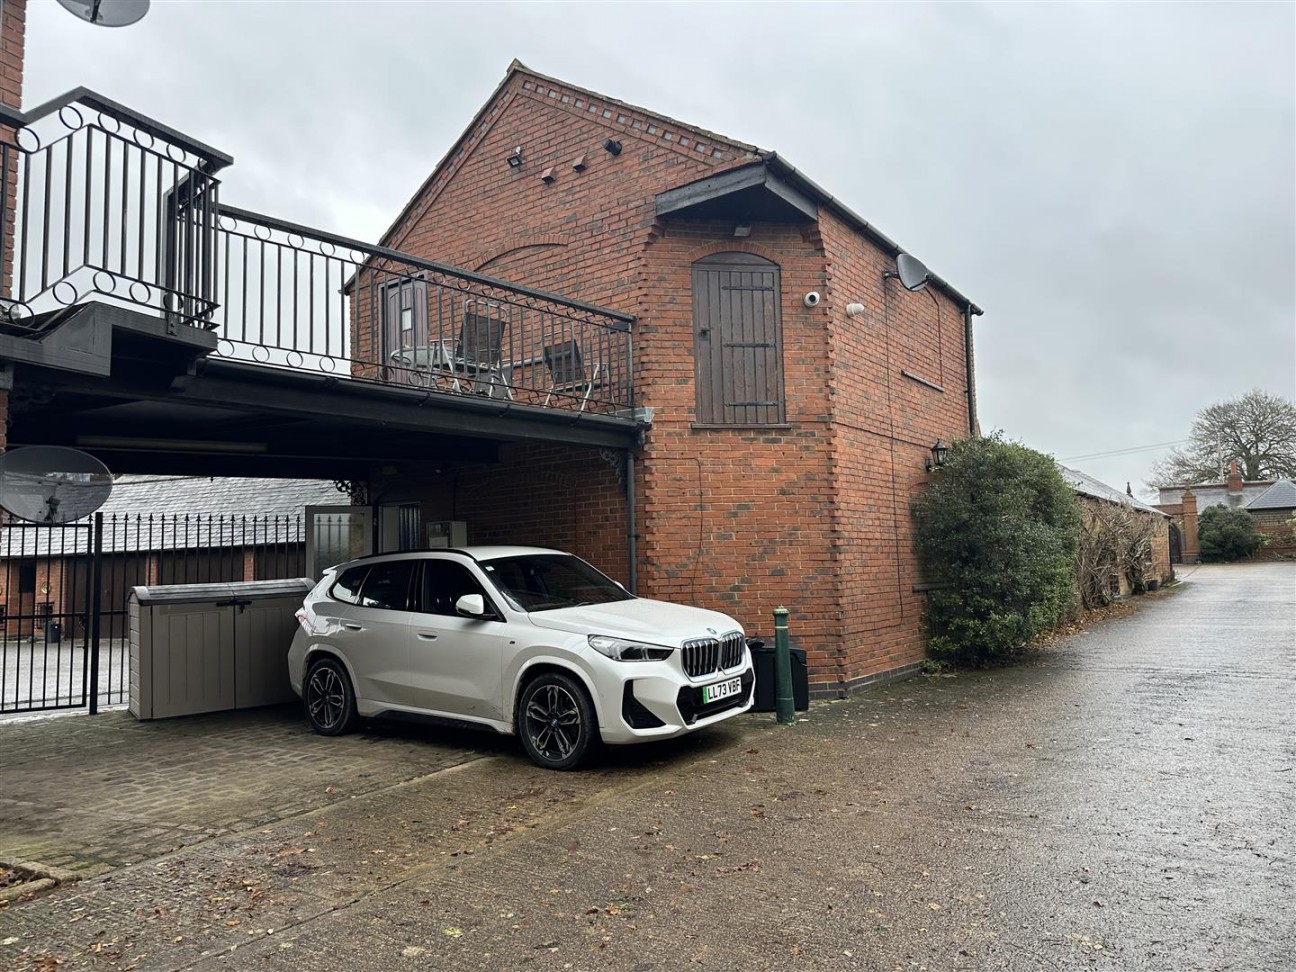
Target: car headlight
x,y
628,651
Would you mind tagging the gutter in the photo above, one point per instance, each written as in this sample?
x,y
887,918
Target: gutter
x,y
968,311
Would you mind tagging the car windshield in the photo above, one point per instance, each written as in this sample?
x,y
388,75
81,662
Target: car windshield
x,y
543,582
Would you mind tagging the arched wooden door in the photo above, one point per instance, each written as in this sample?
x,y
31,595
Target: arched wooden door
x,y
737,341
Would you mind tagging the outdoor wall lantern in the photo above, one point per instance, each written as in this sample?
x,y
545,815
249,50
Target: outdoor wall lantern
x,y
613,146
742,229
515,160
937,458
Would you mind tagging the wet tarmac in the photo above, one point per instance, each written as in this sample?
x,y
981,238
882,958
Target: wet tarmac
x,y
1122,800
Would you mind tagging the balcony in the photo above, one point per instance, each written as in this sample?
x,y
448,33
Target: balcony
x,y
104,206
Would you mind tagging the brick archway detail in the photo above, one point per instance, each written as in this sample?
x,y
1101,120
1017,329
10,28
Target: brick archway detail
x,y
535,243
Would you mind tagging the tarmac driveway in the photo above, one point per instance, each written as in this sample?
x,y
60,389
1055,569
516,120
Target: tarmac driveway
x,y
1122,801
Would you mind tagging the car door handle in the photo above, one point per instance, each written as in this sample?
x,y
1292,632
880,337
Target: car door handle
x,y
427,636
353,627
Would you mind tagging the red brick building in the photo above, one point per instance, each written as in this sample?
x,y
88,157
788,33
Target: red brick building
x,y
791,388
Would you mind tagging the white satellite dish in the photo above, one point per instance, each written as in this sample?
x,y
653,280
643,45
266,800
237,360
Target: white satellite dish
x,y
51,484
107,13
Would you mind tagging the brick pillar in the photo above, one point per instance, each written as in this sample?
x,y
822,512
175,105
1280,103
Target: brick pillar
x,y
1191,548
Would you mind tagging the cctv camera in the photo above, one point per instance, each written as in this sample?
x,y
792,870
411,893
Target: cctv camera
x,y
811,299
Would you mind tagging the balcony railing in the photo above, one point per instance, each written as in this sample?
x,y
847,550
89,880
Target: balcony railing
x,y
101,203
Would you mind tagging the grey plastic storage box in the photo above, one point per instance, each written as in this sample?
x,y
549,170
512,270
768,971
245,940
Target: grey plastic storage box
x,y
210,647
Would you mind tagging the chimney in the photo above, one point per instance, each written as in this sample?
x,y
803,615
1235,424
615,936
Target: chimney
x,y
1234,479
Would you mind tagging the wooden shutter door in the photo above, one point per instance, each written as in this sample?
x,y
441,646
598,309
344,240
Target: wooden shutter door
x,y
737,341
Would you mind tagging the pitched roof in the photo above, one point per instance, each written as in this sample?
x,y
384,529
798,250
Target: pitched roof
x,y
183,512
1086,485
178,495
1280,496
711,143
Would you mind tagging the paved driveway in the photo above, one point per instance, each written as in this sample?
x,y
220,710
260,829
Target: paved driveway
x,y
1122,801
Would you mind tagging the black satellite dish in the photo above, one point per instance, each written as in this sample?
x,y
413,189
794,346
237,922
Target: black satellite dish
x,y
50,484
913,275
107,13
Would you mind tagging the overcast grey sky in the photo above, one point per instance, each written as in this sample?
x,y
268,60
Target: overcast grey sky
x,y
1115,184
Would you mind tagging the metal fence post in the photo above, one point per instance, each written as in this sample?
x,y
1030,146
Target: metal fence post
x,y
96,597
784,706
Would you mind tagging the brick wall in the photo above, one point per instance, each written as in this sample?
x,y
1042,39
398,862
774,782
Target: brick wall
x,y
813,515
899,383
537,495
13,33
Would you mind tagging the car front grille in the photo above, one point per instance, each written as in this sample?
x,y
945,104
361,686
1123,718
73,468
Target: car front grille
x,y
705,656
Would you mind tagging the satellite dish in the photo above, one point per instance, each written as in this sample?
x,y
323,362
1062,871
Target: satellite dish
x,y
913,275
50,484
107,13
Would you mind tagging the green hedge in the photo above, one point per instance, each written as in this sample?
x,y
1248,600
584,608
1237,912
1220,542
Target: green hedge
x,y
997,530
1225,534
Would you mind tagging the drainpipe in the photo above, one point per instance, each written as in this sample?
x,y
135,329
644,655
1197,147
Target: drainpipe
x,y
968,312
632,544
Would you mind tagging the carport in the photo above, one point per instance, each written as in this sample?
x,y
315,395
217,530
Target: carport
x,y
150,325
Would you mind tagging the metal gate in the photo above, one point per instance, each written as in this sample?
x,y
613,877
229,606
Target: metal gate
x,y
48,615
64,624
1176,545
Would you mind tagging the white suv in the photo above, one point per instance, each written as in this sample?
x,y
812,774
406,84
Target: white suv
x,y
521,639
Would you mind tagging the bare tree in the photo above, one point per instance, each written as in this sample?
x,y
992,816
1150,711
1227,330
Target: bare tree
x,y
1258,431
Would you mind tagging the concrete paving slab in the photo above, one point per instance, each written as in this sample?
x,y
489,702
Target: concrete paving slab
x,y
95,793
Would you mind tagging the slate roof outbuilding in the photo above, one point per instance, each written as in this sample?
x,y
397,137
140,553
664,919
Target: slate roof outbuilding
x,y
1280,496
181,513
1086,485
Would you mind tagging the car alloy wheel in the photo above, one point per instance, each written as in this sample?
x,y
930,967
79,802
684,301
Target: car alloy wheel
x,y
329,700
558,724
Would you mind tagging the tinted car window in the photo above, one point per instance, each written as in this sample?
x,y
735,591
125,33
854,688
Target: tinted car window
x,y
542,582
347,587
388,585
444,582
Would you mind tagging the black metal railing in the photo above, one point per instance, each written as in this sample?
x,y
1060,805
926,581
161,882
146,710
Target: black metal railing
x,y
64,616
295,297
99,202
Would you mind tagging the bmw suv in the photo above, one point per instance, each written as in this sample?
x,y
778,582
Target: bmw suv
x,y
522,640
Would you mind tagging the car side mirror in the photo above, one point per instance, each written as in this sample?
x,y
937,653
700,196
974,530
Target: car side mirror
x,y
471,605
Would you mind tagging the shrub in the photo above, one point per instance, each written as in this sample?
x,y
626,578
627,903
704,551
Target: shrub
x,y
996,530
1225,534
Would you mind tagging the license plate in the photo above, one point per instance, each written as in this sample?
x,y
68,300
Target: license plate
x,y
721,690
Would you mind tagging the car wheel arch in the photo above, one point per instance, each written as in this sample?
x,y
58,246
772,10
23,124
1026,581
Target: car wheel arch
x,y
316,652
536,667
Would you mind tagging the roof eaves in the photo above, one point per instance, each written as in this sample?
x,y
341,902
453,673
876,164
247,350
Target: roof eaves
x,y
788,171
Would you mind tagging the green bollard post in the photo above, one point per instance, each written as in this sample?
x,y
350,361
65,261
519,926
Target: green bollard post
x,y
784,707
